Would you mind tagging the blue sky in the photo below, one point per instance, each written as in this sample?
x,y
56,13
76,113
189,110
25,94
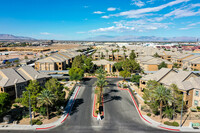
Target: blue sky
x,y
80,19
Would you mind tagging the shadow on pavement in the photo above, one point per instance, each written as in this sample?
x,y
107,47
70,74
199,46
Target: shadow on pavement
x,y
112,98
77,103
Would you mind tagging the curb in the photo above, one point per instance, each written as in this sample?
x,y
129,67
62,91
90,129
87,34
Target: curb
x,y
93,109
141,116
46,126
65,116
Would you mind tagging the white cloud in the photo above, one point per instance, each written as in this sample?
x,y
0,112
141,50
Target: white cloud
x,y
45,33
138,25
98,12
138,3
142,12
117,28
194,24
151,1
185,11
105,17
111,9
185,28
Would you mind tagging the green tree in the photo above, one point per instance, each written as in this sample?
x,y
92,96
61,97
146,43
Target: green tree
x,y
177,98
107,53
5,103
113,54
124,47
76,73
117,54
136,79
46,98
101,81
162,65
152,84
118,66
175,65
88,65
130,65
34,88
132,55
77,62
125,74
57,89
156,55
163,96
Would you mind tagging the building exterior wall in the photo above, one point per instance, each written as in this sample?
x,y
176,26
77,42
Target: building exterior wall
x,y
152,67
170,66
188,98
196,97
195,66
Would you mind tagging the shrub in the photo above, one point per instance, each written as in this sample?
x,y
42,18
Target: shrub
x,y
149,114
18,100
43,111
15,105
167,123
171,123
198,107
39,122
36,122
125,86
175,124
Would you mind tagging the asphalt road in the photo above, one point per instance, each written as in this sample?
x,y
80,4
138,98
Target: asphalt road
x,y
120,113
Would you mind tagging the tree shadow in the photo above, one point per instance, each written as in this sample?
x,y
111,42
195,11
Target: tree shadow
x,y
77,103
117,98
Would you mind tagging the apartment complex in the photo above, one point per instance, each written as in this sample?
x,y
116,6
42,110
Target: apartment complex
x,y
58,61
186,81
107,65
149,63
14,80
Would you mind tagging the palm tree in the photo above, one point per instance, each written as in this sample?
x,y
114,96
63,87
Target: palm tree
x,y
124,54
101,83
117,55
46,98
113,54
177,98
162,95
107,53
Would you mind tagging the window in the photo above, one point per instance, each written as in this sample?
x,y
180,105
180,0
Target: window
x,y
188,93
186,102
195,64
196,93
195,102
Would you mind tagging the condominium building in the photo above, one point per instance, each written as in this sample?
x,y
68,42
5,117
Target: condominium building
x,y
186,81
14,80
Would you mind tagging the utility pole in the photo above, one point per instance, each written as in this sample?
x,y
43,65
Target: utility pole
x,y
181,111
30,108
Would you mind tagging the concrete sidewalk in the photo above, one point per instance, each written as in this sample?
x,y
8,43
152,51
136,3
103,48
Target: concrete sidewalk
x,y
50,125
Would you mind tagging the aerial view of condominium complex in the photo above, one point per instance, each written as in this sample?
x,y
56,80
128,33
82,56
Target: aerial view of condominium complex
x,y
100,66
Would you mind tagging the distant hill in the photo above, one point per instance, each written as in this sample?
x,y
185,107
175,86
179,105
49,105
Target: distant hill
x,y
142,38
12,37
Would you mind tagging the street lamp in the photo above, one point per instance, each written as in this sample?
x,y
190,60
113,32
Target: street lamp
x,y
181,111
30,107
